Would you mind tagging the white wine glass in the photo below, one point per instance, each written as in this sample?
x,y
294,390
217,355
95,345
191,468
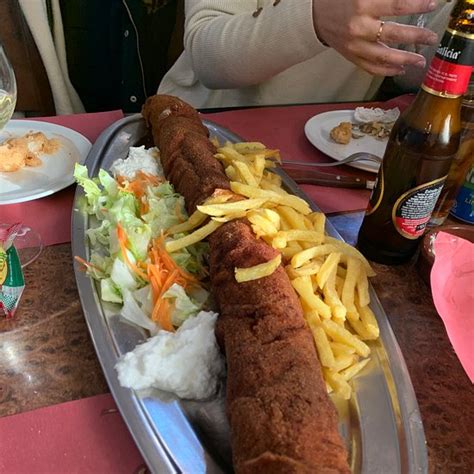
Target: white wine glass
x,y
7,89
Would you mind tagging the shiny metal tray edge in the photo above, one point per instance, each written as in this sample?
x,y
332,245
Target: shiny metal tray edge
x,y
405,453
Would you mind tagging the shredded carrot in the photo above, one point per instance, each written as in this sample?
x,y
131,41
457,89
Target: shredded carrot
x,y
162,315
122,239
86,263
163,272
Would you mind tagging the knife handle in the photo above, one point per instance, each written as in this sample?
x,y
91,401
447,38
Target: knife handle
x,y
326,179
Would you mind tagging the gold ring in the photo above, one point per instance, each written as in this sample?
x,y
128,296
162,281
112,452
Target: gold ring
x,y
379,33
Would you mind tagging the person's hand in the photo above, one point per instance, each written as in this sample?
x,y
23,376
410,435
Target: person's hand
x,y
355,30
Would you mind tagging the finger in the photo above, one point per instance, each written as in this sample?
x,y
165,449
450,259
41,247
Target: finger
x,y
394,33
379,53
396,7
374,68
379,69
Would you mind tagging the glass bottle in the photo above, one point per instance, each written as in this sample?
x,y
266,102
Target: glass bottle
x,y
421,147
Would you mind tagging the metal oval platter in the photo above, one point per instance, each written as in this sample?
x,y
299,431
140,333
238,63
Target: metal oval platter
x,y
381,423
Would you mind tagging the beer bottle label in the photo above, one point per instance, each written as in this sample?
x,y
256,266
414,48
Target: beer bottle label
x,y
413,209
451,68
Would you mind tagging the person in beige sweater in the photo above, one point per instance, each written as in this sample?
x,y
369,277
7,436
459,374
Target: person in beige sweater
x,y
259,52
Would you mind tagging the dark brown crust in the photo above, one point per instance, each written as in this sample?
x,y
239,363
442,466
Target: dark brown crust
x,y
186,152
281,417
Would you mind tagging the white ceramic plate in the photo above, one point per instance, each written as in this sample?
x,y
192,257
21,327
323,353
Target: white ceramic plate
x,y
318,128
54,174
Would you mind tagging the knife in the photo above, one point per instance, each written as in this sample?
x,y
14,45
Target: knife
x,y
311,176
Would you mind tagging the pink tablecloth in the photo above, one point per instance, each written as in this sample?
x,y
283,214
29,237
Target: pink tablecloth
x,y
84,437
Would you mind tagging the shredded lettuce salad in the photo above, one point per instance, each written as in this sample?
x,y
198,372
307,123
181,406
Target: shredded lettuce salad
x,y
125,245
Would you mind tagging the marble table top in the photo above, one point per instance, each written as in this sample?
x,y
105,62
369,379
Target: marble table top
x,y
47,356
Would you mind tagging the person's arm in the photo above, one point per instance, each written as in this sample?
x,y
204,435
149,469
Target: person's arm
x,y
231,46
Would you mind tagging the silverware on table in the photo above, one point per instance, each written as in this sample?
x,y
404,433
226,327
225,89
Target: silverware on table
x,y
312,176
359,156
307,173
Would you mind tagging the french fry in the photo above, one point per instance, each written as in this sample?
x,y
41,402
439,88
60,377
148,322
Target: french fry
x,y
285,236
308,254
304,288
196,219
326,357
361,329
340,334
338,383
309,269
352,252
231,173
231,154
319,221
287,199
230,217
257,271
362,287
369,320
354,369
218,210
258,168
249,147
332,298
269,186
262,226
339,285
294,219
340,349
271,177
290,251
327,268
312,318
245,173
348,298
343,362
198,235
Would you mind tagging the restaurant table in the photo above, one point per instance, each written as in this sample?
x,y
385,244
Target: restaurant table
x,y
47,358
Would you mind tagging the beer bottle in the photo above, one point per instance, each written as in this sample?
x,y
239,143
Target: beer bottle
x,y
422,144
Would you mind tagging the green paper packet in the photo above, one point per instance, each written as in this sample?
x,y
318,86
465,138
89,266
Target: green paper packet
x,y
12,282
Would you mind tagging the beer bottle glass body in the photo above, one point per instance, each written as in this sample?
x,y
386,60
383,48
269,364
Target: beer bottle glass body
x,y
421,147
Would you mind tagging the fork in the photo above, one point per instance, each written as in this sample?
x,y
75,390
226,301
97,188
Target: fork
x,y
359,156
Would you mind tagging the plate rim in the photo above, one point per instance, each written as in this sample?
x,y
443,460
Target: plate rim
x,y
369,167
61,130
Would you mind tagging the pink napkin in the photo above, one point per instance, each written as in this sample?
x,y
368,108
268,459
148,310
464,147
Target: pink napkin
x,y
283,128
83,436
452,285
51,215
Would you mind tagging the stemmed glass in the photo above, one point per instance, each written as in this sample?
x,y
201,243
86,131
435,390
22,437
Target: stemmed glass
x,y
7,89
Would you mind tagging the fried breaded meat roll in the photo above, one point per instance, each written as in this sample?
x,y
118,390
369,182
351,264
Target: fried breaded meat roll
x,y
186,153
281,418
